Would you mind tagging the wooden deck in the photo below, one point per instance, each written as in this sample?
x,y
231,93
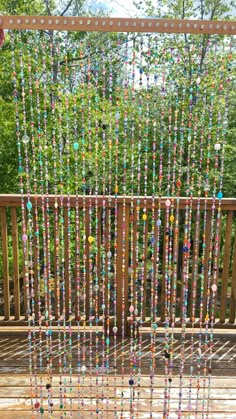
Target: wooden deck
x,y
15,390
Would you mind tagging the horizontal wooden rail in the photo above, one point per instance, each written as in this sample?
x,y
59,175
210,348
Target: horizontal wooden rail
x,y
105,24
133,242
15,201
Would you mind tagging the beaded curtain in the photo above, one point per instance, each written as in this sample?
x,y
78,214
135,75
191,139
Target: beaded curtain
x,y
131,116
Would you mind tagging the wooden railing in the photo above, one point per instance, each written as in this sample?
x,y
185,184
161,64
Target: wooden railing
x,y
13,296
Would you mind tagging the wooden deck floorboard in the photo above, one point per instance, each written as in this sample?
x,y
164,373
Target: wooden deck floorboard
x,y
15,390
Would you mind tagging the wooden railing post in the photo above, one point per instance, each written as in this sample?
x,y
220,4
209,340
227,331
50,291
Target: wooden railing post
x,y
225,273
15,263
5,264
233,286
122,267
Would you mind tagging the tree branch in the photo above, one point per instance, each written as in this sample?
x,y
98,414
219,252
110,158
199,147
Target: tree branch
x,y
48,8
66,8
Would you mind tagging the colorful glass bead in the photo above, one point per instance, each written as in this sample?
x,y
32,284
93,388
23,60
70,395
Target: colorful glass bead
x,y
29,205
90,239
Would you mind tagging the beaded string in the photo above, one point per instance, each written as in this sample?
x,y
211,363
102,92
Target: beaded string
x,y
174,217
46,224
109,230
53,83
89,209
221,132
196,97
97,226
132,250
116,179
85,238
77,283
36,217
68,176
27,237
153,229
167,241
137,276
209,264
59,208
104,235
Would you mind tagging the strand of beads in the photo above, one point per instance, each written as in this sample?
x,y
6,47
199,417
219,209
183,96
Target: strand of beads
x,y
134,309
56,282
153,228
27,236
132,240
174,218
97,232
197,230
31,66
46,227
104,234
110,289
167,244
68,83
38,70
90,238
221,133
85,238
59,218
77,225
116,189
208,263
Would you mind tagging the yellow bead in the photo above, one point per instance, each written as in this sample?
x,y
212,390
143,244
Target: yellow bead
x,y
90,239
207,318
144,217
116,189
172,218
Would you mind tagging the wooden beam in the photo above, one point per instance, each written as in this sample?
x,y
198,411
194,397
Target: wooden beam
x,y
226,262
106,24
5,264
15,201
15,263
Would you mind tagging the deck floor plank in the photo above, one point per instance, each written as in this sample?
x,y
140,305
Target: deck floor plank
x,y
15,390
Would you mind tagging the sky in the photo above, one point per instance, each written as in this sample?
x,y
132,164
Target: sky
x,y
115,8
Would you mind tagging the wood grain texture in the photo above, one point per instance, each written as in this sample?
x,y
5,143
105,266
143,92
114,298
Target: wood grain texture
x,y
233,286
15,251
5,264
15,201
225,273
105,24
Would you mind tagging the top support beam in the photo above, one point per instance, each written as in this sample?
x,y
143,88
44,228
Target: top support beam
x,y
98,24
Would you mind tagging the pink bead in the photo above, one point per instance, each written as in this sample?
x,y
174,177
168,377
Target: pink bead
x,y
214,287
131,309
168,203
24,237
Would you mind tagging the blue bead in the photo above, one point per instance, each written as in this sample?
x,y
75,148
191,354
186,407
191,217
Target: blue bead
x,y
29,206
152,240
185,249
76,146
131,382
220,195
158,223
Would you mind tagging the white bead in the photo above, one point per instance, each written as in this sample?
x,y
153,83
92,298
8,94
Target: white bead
x,y
83,368
217,146
109,255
